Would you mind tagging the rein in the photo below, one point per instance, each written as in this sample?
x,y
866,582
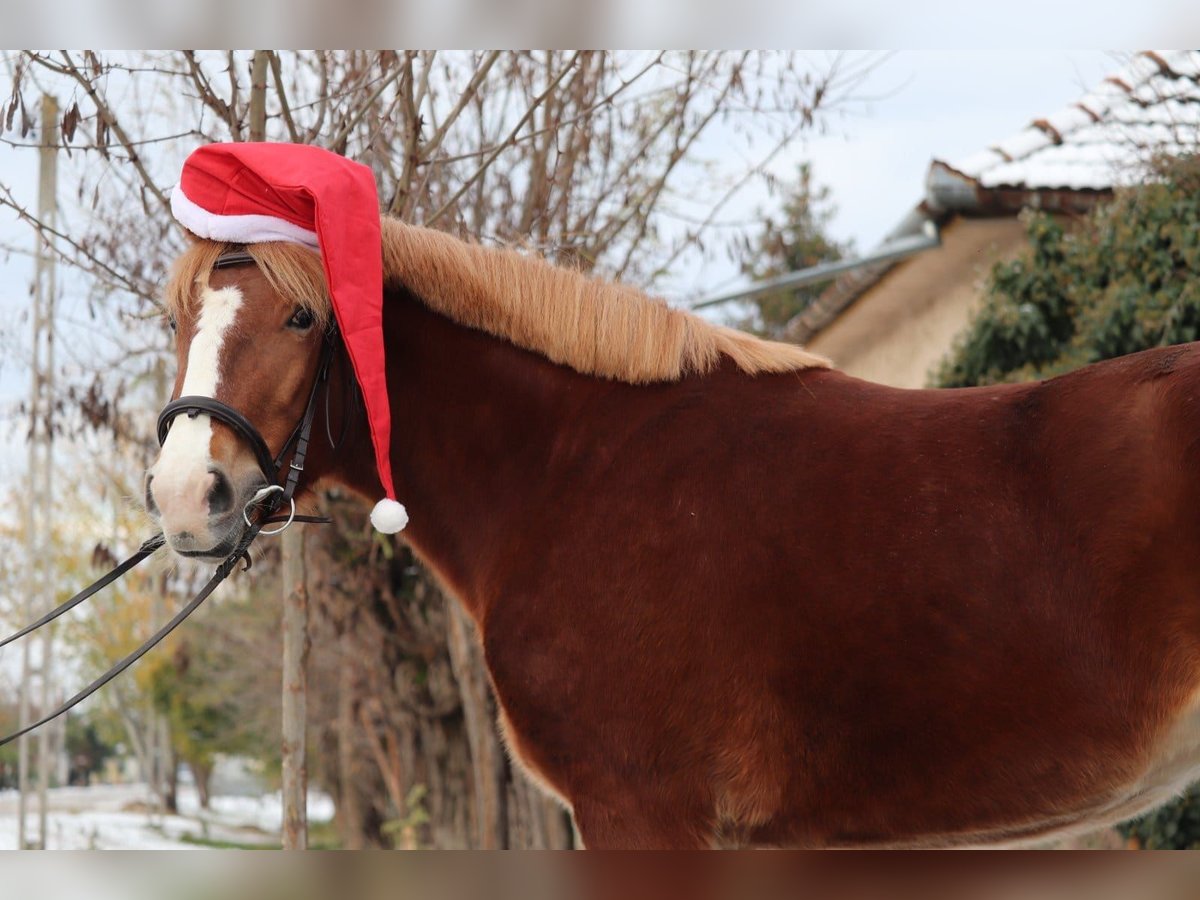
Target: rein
x,y
265,502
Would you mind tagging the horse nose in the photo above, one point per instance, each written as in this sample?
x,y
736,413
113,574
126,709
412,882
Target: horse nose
x,y
151,506
178,499
220,495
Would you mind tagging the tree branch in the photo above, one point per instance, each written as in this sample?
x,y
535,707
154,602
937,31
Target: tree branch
x,y
103,110
284,110
449,204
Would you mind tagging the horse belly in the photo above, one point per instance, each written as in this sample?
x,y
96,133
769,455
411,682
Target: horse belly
x,y
1174,765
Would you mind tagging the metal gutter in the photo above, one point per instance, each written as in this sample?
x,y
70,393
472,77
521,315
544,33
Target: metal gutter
x,y
910,238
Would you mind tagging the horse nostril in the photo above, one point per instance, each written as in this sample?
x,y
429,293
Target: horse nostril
x,y
220,495
151,506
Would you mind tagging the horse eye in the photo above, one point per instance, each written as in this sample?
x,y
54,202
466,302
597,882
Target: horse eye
x,y
301,320
171,322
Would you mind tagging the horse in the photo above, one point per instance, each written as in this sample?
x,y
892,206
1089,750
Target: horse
x,y
729,595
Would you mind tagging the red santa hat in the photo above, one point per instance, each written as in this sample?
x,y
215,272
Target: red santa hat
x,y
248,193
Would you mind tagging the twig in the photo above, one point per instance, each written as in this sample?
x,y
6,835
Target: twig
x,y
449,204
284,111
206,94
235,121
104,111
7,199
339,139
467,95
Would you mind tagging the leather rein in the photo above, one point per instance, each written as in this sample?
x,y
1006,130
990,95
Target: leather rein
x,y
263,506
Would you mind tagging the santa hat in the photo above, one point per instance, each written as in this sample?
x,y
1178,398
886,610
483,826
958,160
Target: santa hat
x,y
248,193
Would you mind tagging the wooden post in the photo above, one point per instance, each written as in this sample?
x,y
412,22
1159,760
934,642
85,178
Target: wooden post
x,y
295,592
295,690
39,584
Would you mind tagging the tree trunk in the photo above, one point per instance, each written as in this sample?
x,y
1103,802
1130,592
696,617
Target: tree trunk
x,y
170,775
258,95
489,768
202,775
348,806
295,691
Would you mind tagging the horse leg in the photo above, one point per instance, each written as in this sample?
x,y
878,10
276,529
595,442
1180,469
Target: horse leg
x,y
630,821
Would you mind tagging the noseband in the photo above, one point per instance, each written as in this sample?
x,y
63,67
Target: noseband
x,y
266,502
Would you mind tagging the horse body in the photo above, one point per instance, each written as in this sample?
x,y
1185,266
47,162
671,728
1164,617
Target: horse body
x,y
779,608
801,609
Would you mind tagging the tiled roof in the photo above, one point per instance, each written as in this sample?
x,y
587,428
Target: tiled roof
x,y
1100,142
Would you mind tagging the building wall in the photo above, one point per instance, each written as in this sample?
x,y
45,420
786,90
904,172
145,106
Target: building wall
x,y
901,327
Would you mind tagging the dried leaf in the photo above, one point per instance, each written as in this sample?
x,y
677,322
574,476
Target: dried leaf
x,y
102,135
70,122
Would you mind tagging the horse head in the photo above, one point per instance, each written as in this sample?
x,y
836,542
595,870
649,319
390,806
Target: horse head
x,y
252,336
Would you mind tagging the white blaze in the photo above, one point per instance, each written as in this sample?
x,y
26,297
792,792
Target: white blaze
x,y
181,475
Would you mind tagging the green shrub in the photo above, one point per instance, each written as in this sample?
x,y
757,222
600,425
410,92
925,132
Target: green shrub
x,y
1124,279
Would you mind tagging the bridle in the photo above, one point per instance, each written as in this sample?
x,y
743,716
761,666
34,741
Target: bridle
x,y
264,505
274,495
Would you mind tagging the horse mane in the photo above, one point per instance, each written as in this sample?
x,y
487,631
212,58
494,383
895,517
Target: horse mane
x,y
593,326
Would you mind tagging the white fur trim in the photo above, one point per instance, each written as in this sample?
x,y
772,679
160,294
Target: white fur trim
x,y
388,516
236,229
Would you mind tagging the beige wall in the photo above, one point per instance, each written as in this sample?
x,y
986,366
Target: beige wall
x,y
900,328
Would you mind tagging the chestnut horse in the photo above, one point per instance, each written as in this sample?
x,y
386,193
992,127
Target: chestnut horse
x,y
728,595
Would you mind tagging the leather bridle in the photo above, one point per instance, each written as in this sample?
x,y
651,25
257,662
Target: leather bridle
x,y
264,504
274,495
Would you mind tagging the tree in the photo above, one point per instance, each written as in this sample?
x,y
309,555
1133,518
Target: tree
x,y
86,748
188,685
799,240
1122,279
596,160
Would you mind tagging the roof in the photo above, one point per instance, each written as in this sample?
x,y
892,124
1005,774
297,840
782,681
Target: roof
x,y
1100,141
1065,162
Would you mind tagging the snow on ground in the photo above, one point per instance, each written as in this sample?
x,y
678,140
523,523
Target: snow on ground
x,y
122,817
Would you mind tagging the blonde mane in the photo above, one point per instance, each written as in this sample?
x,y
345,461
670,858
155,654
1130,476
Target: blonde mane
x,y
590,325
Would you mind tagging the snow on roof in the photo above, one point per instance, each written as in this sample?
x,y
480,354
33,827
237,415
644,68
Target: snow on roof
x,y
1103,140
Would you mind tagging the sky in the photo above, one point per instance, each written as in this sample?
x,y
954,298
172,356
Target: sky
x,y
936,104
872,154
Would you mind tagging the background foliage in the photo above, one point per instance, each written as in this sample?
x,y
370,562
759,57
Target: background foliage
x,y
793,238
1121,280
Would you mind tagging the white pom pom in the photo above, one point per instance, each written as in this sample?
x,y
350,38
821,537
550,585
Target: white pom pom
x,y
389,516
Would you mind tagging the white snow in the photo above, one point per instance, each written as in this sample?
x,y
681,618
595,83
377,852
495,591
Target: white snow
x,y
122,817
1140,109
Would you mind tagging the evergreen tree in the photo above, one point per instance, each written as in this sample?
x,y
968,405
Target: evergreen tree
x,y
798,240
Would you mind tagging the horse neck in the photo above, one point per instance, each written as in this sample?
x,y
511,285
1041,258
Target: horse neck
x,y
476,423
